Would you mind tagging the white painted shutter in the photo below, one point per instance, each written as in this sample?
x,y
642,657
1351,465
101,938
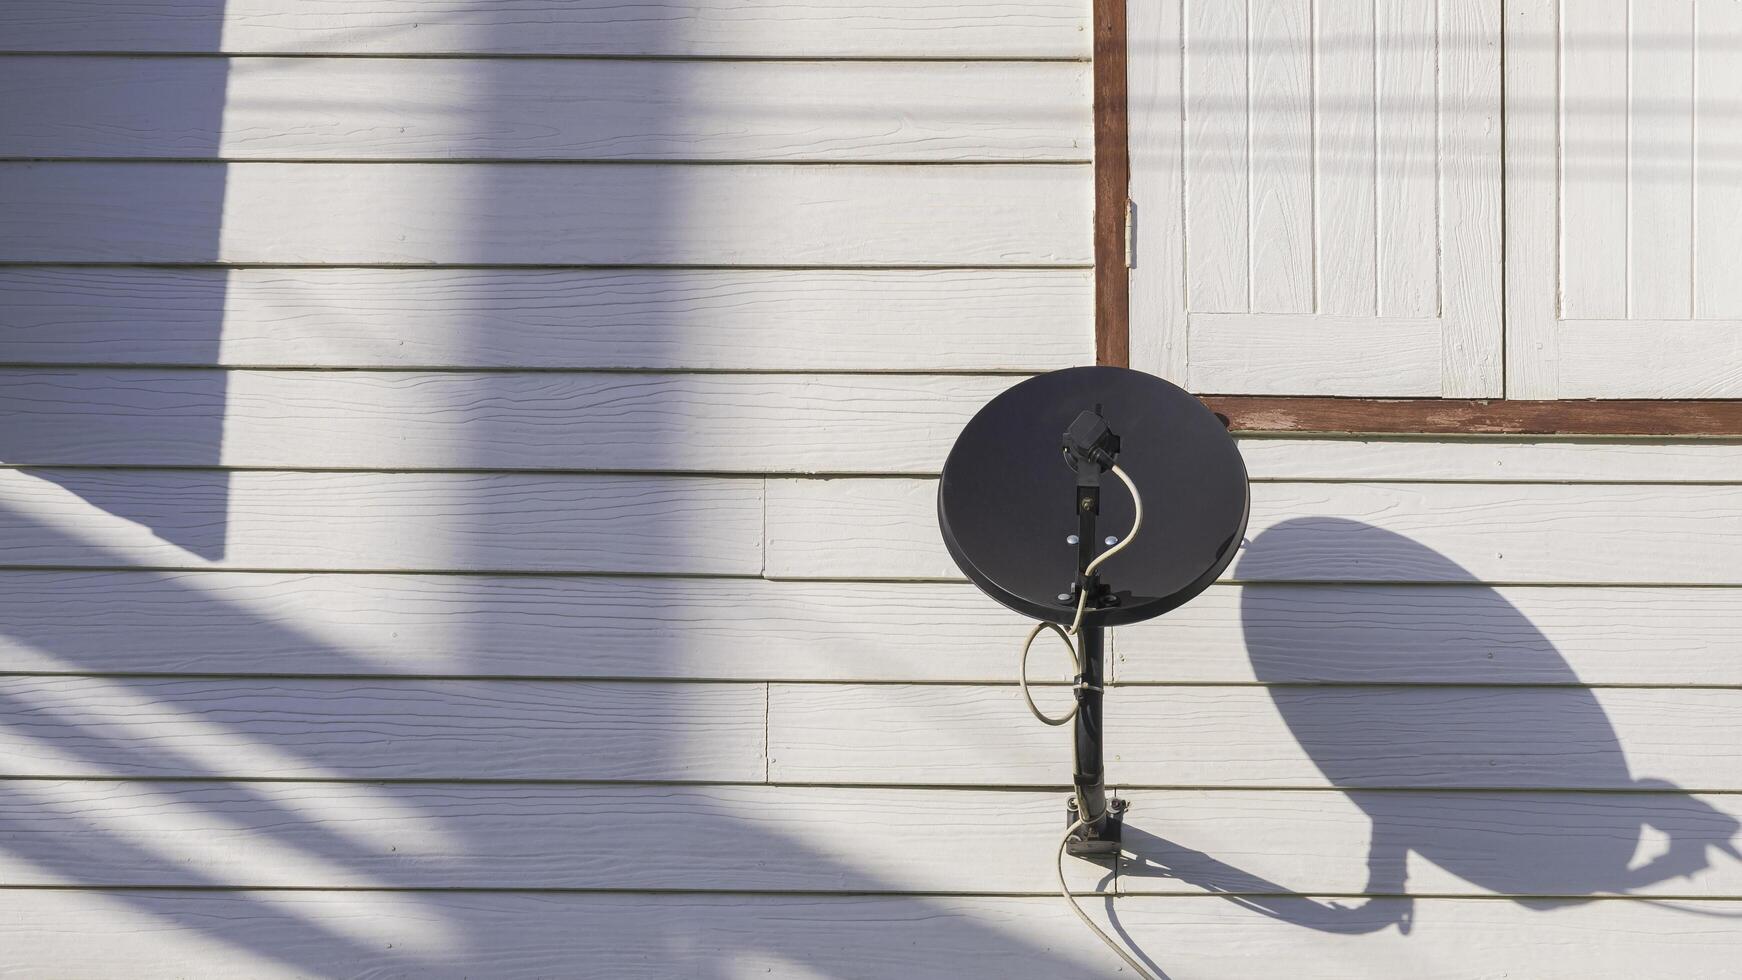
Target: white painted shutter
x,y
1317,196
1624,199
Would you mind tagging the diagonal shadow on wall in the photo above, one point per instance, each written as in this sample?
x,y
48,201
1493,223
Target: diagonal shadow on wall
x,y
87,698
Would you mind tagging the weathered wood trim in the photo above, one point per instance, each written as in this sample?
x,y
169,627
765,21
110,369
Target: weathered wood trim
x,y
1112,187
1447,416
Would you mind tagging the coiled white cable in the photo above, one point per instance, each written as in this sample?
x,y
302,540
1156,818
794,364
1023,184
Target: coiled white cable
x,y
1067,634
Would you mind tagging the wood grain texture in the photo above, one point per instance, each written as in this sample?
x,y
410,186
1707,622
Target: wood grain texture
x,y
489,214
632,421
1345,182
499,626
1450,634
1367,737
1463,417
714,28
1638,358
526,109
665,838
1256,355
333,729
748,320
1593,120
166,934
1112,187
1324,532
1156,325
1280,119
1493,460
1532,245
1407,47
1216,110
381,521
1659,160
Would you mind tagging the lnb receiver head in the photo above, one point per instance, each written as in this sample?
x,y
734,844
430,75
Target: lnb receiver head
x,y
1090,442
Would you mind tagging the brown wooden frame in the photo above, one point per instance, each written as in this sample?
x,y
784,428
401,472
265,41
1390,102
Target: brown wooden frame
x,y
1263,413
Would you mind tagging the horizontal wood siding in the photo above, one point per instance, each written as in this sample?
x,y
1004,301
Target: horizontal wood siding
x,y
468,485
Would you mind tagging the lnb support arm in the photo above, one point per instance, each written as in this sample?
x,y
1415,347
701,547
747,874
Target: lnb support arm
x,y
1090,449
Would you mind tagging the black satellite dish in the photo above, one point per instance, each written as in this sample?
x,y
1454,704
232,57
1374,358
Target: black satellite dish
x,y
1031,490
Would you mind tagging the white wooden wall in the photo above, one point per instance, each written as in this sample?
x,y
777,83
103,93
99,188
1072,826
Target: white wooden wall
x,y
468,511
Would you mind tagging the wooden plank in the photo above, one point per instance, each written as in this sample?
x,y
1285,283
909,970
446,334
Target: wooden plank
x,y
1344,116
1453,634
1368,737
1717,194
242,623
1406,46
1424,843
865,840
381,521
151,934
490,214
1281,157
940,320
701,838
537,109
1660,114
714,28
1468,170
1593,116
1494,460
1512,416
447,420
1112,188
1157,324
1324,532
347,729
1326,355
1651,358
1533,272
1217,193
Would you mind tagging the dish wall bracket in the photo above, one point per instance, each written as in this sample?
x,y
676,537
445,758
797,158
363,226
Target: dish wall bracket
x,y
1090,447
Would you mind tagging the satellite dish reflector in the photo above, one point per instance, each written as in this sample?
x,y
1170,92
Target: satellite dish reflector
x,y
1008,501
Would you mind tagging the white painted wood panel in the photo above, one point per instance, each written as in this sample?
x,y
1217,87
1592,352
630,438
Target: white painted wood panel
x,y
1326,532
700,838
381,521
1367,737
205,622
1217,192
824,839
1660,121
1497,460
536,109
1621,200
1235,353
376,420
1345,182
151,934
716,28
1447,634
1426,843
1406,47
1281,131
487,214
348,729
1339,197
747,320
